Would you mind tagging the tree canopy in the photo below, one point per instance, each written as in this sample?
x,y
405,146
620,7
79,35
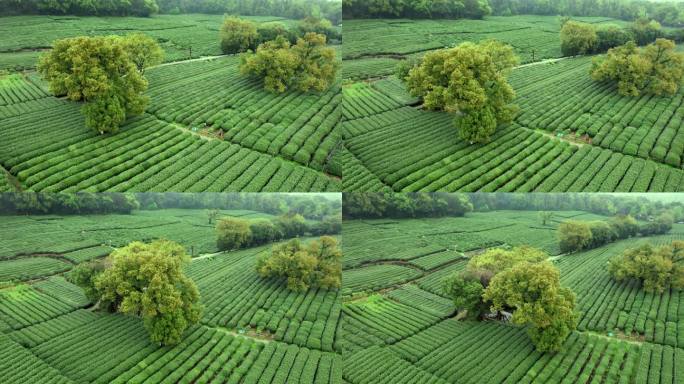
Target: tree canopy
x,y
238,35
656,68
147,280
533,290
469,81
318,263
105,72
577,38
472,9
307,65
657,268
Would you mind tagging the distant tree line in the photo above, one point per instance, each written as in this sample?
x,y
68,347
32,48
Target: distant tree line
x,y
657,268
520,284
576,235
601,204
292,9
665,12
423,204
437,9
235,233
402,205
83,203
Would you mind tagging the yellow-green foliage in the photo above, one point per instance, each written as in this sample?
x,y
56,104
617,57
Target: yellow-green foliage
x,y
308,64
577,38
469,80
147,280
656,267
533,290
318,263
238,35
656,68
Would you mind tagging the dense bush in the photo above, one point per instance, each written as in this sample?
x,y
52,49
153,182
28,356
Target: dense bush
x,y
577,38
318,263
306,65
106,72
238,35
474,88
657,268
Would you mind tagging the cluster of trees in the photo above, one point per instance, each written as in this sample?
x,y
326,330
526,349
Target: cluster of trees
x,y
80,7
657,268
145,280
105,72
416,9
308,64
470,81
81,203
656,68
390,204
665,12
239,35
520,280
578,38
640,207
284,58
400,205
291,9
575,235
234,233
311,206
316,264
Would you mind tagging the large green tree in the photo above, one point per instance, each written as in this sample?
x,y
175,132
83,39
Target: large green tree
x,y
534,293
656,68
577,38
233,233
469,81
238,35
307,65
148,280
143,51
574,236
101,72
657,268
318,263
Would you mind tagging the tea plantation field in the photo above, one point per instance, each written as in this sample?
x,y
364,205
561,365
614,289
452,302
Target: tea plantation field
x,y
179,35
267,142
253,330
571,133
400,328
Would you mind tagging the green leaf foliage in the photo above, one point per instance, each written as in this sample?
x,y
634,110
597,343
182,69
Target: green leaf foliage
x,y
147,280
306,65
237,35
657,268
469,81
318,263
534,292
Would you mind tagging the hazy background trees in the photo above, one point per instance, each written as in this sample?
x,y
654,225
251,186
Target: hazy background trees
x,y
293,9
